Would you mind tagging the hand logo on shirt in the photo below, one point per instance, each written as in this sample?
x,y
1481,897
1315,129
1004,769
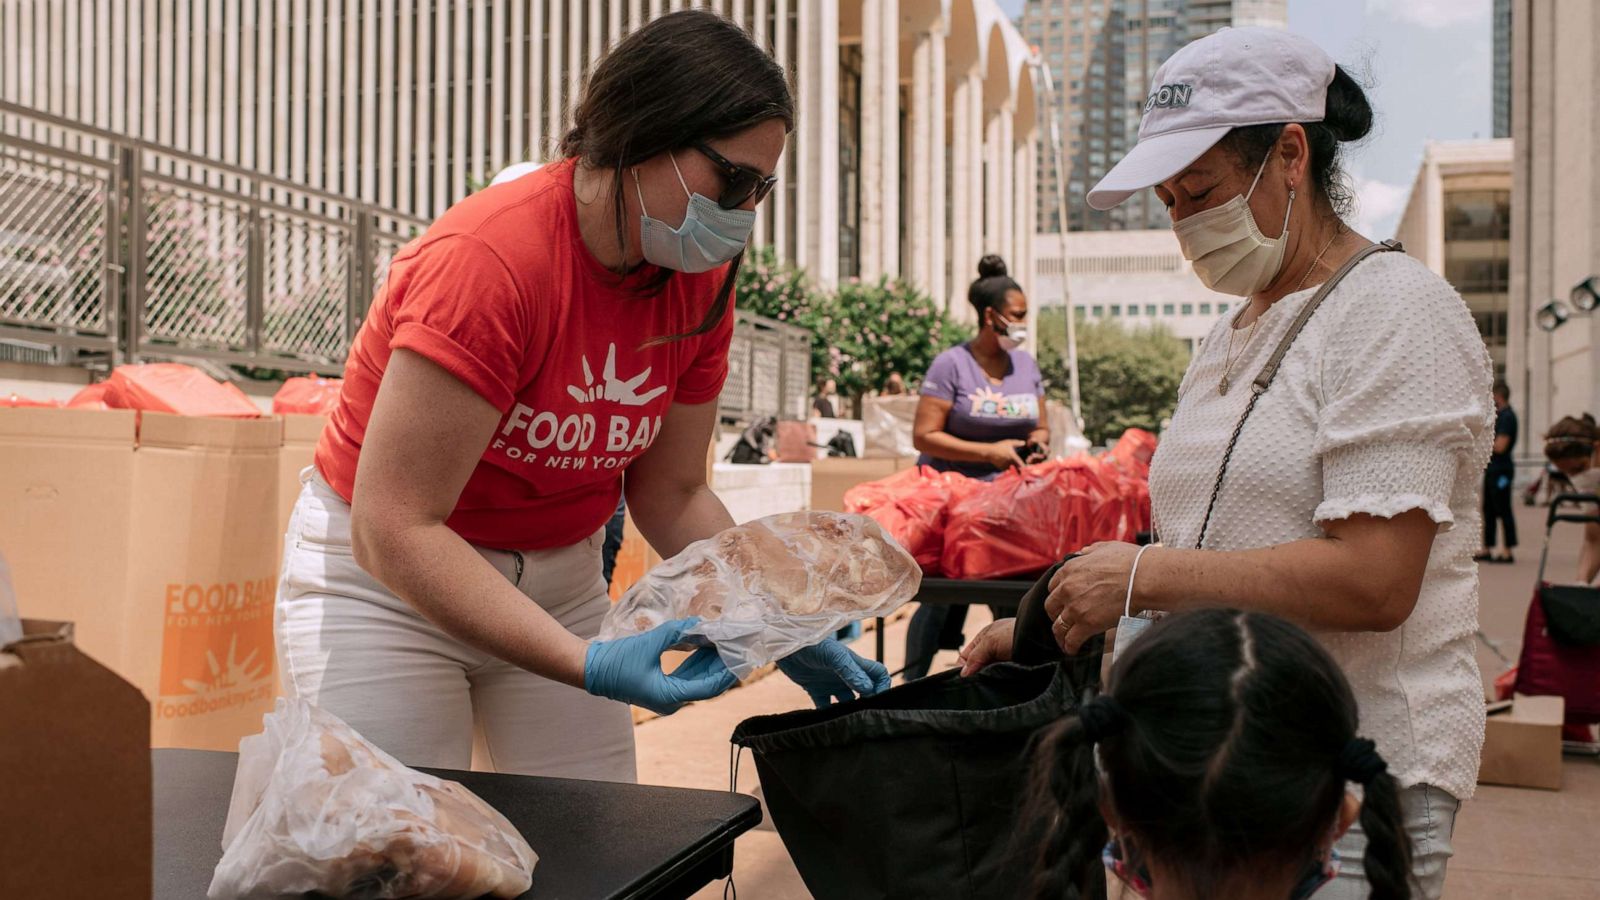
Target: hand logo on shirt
x,y
623,392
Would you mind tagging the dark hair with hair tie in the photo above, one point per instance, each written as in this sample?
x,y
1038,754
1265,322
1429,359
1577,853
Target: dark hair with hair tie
x,y
1347,118
1359,761
1101,718
993,284
1224,743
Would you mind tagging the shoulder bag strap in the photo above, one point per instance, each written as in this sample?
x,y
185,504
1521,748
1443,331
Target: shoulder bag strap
x,y
1270,370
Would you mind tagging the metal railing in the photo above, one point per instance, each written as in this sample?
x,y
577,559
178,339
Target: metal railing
x,y
769,370
115,250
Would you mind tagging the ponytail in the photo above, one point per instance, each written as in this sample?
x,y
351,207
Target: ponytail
x,y
1388,858
1064,809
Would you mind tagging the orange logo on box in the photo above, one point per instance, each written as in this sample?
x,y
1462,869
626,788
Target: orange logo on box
x,y
216,650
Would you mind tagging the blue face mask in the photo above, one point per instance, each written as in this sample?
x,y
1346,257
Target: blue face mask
x,y
708,237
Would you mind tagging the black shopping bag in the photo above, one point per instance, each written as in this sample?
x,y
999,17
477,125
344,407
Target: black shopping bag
x,y
916,792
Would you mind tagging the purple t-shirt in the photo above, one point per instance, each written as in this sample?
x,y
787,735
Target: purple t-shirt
x,y
981,410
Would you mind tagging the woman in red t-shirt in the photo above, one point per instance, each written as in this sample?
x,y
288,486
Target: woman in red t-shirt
x,y
548,344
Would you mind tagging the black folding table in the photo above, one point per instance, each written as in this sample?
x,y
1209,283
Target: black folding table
x,y
594,839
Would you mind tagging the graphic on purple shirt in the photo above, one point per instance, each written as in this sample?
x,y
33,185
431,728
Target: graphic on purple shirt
x,y
981,410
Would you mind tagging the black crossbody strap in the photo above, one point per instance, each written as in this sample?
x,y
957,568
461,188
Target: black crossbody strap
x,y
1270,370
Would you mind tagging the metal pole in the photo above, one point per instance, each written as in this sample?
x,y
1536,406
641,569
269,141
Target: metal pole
x,y
1061,210
134,297
116,272
254,277
361,286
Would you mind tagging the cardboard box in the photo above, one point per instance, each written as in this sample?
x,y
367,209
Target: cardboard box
x,y
1522,743
164,544
300,436
74,773
66,489
831,478
202,576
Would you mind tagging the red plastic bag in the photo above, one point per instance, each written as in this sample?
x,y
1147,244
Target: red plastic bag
x,y
176,388
308,395
910,505
1027,520
1132,452
91,397
14,401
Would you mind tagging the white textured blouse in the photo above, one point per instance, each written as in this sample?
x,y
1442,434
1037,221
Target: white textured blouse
x,y
1381,406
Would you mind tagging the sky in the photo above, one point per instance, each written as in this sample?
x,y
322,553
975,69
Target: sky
x,y
1426,65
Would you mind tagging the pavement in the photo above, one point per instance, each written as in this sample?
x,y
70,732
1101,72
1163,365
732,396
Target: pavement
x,y
1510,844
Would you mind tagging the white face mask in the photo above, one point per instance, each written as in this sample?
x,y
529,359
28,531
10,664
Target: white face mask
x,y
1014,336
1228,251
708,237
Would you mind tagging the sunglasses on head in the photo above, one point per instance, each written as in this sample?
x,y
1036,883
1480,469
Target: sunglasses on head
x,y
740,183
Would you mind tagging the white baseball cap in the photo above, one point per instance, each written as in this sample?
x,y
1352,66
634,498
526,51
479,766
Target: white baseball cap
x,y
1227,80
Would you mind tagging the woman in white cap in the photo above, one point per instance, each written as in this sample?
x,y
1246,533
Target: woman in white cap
x,y
1325,457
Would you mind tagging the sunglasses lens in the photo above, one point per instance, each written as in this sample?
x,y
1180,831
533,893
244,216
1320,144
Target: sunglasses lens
x,y
740,185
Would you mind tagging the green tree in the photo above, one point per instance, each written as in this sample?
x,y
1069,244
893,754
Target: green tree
x,y
859,333
1128,378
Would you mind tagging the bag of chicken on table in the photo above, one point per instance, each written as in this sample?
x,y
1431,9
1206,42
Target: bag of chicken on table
x,y
317,808
767,588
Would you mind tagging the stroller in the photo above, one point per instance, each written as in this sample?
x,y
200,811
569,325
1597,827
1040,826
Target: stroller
x,y
1561,636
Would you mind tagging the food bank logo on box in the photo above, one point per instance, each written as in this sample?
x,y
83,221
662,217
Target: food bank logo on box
x,y
216,648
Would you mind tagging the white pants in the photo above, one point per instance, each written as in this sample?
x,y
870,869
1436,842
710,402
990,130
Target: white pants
x,y
349,645
1430,820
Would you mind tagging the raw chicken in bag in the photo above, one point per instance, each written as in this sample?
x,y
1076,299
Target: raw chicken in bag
x,y
773,586
317,808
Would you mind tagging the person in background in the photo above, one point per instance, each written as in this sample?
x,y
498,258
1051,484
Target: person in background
x,y
1218,763
1570,446
613,541
894,386
1497,478
981,412
822,405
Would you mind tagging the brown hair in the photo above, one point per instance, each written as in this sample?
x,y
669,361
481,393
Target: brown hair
x,y
1573,437
685,77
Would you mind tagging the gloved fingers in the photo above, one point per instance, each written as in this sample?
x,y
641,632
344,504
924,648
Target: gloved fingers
x,y
820,696
879,673
846,665
703,686
669,633
661,707
698,664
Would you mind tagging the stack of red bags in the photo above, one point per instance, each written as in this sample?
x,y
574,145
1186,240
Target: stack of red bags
x,y
1022,522
168,388
910,505
1028,519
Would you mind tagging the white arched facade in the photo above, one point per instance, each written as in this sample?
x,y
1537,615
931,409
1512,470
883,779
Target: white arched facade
x,y
910,159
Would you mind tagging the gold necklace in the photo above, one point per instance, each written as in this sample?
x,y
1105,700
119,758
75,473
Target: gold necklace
x,y
1229,360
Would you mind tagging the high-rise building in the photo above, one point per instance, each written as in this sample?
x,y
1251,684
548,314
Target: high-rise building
x,y
1104,54
1458,222
409,104
1502,68
1553,330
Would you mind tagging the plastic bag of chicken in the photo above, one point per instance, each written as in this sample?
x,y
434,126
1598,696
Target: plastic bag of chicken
x,y
317,808
770,587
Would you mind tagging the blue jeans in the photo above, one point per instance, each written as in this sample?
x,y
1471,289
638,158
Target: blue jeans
x,y
1430,820
613,543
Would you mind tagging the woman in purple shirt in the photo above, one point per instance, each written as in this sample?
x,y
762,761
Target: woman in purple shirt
x,y
982,412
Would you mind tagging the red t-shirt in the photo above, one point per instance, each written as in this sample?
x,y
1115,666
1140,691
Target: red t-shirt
x,y
502,293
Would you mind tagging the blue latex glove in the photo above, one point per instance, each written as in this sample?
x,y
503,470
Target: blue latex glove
x,y
831,671
629,669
